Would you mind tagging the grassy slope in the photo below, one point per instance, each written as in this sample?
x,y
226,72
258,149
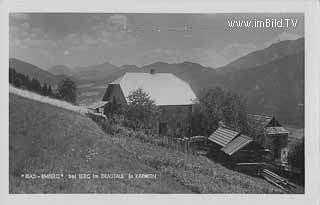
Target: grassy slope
x,y
47,139
197,173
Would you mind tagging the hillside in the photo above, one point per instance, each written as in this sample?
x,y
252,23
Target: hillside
x,y
48,100
47,139
264,56
34,72
276,88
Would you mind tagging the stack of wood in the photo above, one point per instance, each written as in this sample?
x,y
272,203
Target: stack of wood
x,y
277,180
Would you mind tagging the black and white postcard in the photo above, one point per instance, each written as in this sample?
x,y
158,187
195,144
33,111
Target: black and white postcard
x,y
161,102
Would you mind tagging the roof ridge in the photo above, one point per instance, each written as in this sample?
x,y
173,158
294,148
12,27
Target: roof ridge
x,y
164,88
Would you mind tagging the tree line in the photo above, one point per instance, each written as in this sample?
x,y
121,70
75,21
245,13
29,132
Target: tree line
x,y
66,90
20,80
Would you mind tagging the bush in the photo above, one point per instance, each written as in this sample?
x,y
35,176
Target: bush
x,y
141,111
215,105
67,90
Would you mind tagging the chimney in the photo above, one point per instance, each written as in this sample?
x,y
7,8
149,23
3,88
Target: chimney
x,y
152,71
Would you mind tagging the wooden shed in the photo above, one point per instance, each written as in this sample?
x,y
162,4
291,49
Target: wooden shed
x,y
270,134
235,146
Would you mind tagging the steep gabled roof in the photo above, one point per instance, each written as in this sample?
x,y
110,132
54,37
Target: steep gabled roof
x,y
163,88
222,136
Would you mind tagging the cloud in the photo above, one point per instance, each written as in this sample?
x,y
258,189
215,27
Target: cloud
x,y
22,34
118,20
109,32
67,52
282,37
111,23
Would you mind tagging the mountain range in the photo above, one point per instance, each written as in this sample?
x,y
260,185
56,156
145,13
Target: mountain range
x,y
62,70
271,79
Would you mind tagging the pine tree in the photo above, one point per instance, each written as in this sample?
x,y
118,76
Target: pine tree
x,y
35,86
44,90
67,90
49,91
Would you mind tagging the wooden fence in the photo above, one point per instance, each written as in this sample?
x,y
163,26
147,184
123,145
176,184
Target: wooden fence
x,y
193,145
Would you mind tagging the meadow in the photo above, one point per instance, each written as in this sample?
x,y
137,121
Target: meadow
x,y
46,139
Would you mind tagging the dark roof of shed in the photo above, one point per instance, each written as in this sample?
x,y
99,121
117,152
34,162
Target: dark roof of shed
x,y
236,144
275,130
223,136
258,121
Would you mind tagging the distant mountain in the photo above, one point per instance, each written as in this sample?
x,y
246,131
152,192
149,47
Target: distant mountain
x,y
61,70
193,73
95,72
261,57
34,72
129,67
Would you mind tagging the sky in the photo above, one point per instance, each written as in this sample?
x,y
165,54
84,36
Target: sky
x,y
82,39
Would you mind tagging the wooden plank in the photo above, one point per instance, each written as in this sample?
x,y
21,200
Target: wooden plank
x,y
274,183
274,175
279,178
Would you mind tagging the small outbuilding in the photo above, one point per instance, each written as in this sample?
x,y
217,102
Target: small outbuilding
x,y
270,134
237,150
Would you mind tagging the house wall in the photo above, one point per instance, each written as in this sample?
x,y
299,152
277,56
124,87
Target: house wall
x,y
114,91
176,118
275,143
